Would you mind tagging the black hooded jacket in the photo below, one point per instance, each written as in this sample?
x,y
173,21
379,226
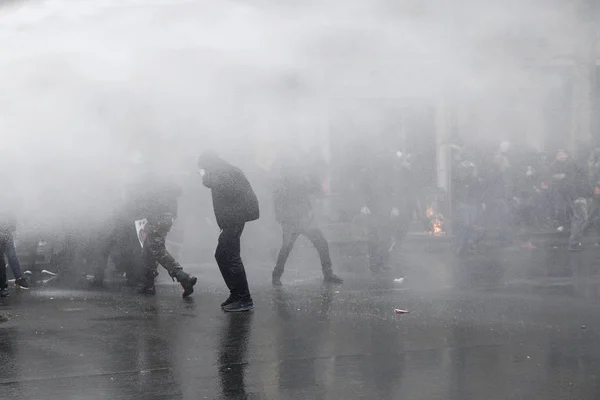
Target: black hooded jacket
x,y
234,201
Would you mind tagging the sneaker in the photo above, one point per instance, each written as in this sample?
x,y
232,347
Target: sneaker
x,y
230,300
333,278
22,283
239,306
188,285
576,247
4,292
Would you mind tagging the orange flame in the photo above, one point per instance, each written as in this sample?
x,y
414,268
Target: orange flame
x,y
437,221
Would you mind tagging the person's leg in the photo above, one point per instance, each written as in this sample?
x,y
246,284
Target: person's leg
x,y
3,277
578,223
232,268
315,235
128,254
11,257
290,235
156,252
150,270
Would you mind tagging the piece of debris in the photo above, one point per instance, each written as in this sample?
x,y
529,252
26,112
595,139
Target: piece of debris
x,y
399,280
583,327
398,311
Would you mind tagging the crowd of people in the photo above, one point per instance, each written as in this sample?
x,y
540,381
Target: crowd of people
x,y
507,190
132,232
519,192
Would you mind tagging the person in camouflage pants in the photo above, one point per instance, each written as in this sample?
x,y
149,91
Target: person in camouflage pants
x,y
159,207
155,251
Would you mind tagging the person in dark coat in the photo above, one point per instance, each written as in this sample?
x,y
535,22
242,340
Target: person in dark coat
x,y
234,204
294,184
158,207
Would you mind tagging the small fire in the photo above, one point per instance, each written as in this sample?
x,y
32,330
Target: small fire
x,y
437,221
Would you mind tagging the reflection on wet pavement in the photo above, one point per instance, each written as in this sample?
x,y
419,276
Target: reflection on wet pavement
x,y
507,324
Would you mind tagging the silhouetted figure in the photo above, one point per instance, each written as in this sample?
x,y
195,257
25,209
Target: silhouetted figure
x,y
293,186
158,208
234,203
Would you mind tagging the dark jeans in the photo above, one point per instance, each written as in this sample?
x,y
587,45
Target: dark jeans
x,y
230,262
4,238
316,237
11,257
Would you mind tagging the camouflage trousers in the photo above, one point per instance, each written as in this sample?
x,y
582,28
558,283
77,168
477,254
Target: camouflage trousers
x,y
155,251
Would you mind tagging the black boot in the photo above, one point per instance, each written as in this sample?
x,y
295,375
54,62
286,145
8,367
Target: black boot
x,y
148,287
186,280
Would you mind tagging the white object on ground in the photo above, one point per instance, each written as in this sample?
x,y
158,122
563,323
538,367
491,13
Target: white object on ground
x,y
399,280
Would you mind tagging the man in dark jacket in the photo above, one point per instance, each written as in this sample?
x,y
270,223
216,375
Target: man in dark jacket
x,y
156,213
234,203
293,188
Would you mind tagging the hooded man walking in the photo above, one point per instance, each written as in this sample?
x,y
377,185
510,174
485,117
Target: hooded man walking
x,y
234,203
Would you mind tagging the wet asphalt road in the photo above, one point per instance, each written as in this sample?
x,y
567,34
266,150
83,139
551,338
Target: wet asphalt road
x,y
507,324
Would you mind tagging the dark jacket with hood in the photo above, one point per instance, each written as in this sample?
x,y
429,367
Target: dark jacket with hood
x,y
234,201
